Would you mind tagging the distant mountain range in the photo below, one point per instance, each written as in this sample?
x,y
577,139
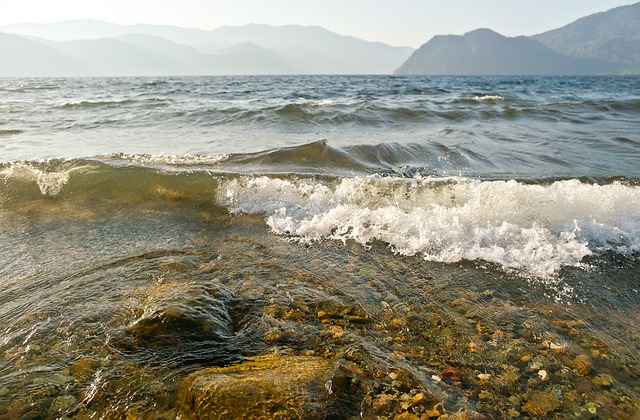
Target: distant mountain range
x,y
96,48
603,43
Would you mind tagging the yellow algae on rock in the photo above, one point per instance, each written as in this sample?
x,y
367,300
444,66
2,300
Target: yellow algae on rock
x,y
541,403
272,386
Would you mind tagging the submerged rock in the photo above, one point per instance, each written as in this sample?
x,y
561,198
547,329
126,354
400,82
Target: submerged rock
x,y
541,403
272,386
178,311
582,364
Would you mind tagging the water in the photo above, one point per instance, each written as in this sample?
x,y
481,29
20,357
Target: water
x,y
473,240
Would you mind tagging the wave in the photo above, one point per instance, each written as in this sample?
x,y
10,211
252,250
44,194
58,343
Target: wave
x,y
535,229
365,112
8,133
317,158
90,105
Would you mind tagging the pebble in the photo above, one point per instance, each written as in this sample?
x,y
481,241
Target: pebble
x,y
62,404
541,403
420,399
603,381
406,416
582,364
382,403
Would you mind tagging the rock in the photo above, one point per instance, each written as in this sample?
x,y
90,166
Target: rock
x,y
582,364
62,404
325,316
541,403
406,416
431,414
82,369
451,374
336,331
558,347
261,387
383,403
420,399
603,381
178,311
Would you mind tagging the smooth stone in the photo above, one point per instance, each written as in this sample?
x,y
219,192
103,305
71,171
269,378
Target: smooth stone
x,y
176,311
541,403
272,386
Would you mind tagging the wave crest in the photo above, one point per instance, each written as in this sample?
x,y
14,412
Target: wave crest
x,y
535,229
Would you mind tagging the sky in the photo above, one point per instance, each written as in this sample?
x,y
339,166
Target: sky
x,y
395,22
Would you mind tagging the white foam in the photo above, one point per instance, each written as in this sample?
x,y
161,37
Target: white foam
x,y
49,183
323,102
488,98
173,159
536,229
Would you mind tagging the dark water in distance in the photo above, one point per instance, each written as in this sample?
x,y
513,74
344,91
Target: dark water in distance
x,y
152,227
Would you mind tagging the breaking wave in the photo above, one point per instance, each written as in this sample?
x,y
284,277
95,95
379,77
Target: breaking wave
x,y
536,229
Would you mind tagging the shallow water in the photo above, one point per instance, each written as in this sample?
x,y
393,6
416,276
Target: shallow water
x,y
490,266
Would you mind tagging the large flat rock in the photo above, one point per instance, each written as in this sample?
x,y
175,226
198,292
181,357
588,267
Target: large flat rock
x,y
271,386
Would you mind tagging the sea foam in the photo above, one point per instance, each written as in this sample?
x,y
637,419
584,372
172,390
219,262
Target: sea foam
x,y
535,229
49,182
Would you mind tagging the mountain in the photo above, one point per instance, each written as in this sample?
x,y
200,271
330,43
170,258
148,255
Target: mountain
x,y
24,56
250,49
312,49
612,36
76,29
603,43
484,52
244,58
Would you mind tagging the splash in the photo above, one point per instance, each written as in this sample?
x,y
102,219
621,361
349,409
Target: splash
x,y
535,229
50,183
143,159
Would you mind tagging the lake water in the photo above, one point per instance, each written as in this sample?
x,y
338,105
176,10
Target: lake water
x,y
474,240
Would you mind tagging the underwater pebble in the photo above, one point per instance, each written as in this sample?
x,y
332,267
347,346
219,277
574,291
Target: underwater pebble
x,y
603,381
383,403
541,403
406,416
451,375
420,399
582,364
62,404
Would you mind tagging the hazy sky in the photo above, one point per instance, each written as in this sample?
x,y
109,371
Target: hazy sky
x,y
396,22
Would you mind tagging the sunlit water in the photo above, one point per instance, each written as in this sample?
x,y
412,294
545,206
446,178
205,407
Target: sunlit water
x,y
474,240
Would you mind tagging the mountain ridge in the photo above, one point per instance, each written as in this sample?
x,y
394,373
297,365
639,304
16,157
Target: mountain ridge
x,y
485,52
289,49
602,43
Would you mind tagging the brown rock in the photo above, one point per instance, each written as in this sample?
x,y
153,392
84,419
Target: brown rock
x,y
541,403
83,369
582,364
406,416
451,374
383,403
420,399
261,387
336,331
603,381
